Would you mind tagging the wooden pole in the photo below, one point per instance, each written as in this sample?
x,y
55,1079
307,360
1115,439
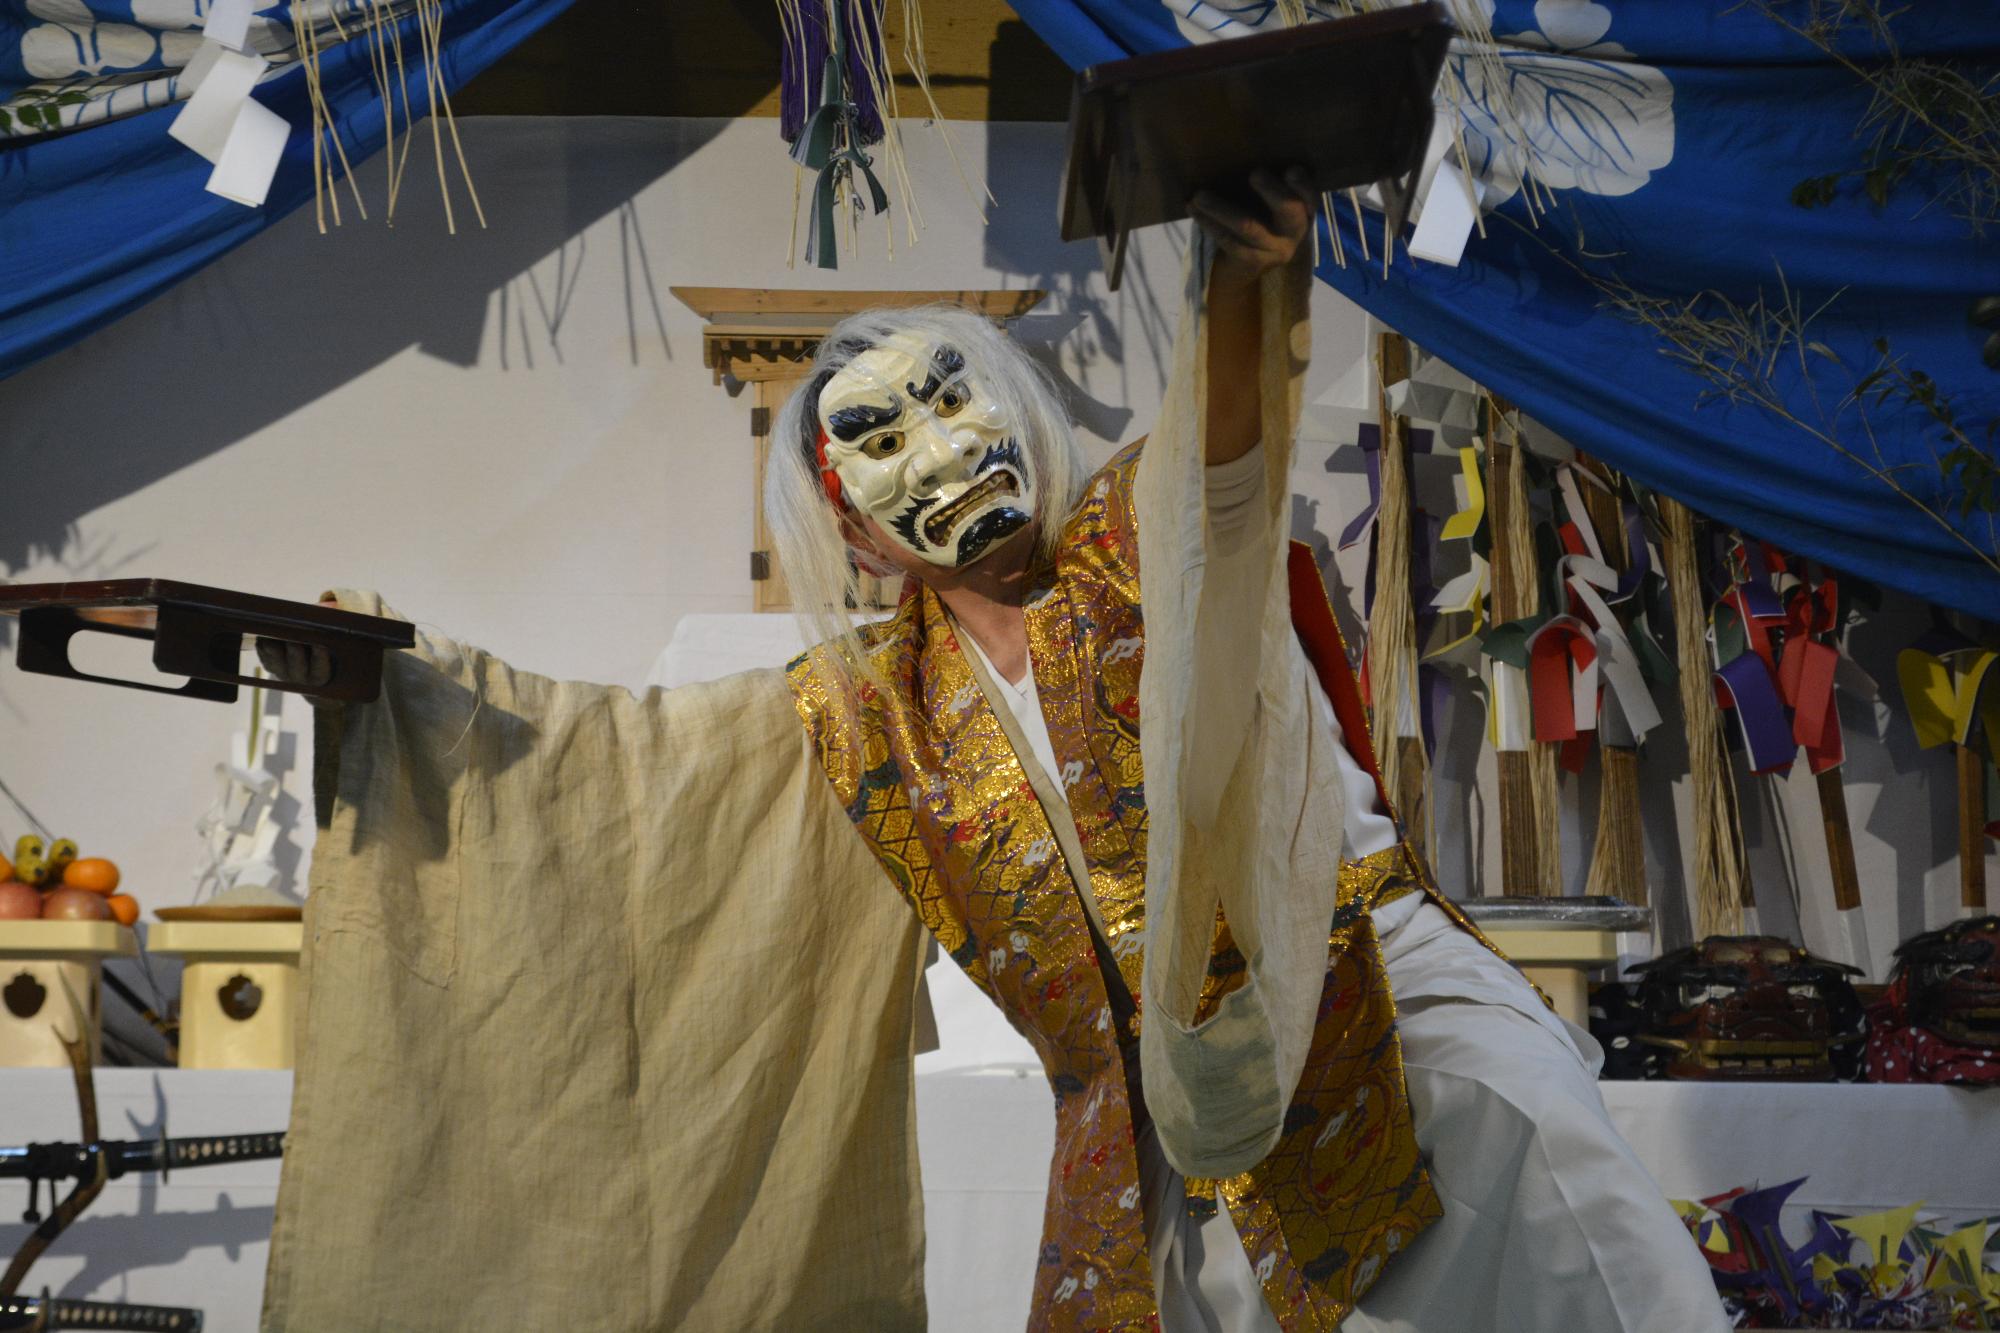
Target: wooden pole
x,y
1840,859
1839,841
1971,828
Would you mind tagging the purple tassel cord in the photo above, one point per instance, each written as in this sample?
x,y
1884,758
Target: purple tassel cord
x,y
802,71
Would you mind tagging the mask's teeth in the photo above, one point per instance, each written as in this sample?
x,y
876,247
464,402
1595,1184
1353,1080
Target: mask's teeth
x,y
940,523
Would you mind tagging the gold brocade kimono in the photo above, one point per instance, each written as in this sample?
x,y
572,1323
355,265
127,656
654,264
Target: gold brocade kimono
x,y
929,778
584,968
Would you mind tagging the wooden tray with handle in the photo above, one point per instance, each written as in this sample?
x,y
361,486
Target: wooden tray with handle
x,y
1348,101
198,632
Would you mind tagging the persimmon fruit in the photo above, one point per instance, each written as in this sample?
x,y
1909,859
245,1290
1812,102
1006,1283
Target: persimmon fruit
x,y
93,873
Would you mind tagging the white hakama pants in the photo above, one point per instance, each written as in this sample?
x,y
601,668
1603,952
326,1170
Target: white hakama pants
x,y
1550,1221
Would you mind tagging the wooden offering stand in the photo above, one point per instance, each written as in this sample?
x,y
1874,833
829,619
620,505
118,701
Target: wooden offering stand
x,y
44,966
1558,942
1348,101
239,983
198,632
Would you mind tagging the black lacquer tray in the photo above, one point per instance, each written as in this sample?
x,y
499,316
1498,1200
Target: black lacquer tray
x,y
198,632
1347,100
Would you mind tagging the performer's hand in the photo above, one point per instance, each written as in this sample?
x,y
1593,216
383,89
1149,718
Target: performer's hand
x,y
1246,247
299,663
1246,244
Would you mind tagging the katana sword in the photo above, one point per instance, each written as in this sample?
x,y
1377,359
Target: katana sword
x,y
40,1314
38,1162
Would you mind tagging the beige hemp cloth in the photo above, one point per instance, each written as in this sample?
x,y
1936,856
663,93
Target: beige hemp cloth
x,y
608,1019
1253,821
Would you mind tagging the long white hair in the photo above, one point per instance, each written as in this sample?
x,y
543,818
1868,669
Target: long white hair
x,y
805,528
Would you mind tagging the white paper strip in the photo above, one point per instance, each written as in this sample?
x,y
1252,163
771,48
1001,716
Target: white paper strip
x,y
228,23
1457,594
1638,714
250,156
1573,502
205,122
1435,370
197,68
1450,209
1511,729
1434,403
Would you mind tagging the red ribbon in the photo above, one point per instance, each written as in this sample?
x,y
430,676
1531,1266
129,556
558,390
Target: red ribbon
x,y
1319,632
1806,672
1561,648
828,478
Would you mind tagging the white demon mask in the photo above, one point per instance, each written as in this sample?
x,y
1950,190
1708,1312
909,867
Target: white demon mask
x,y
922,445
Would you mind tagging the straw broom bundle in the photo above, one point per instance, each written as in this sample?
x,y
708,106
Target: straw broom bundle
x,y
1530,847
1618,861
1392,625
1720,881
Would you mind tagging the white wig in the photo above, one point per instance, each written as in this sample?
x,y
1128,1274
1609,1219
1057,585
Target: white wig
x,y
804,525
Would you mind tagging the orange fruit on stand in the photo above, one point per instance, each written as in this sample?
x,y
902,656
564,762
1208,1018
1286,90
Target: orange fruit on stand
x,y
124,908
6,868
93,873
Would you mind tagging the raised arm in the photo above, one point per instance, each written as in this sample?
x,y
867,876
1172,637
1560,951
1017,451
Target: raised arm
x,y
1246,246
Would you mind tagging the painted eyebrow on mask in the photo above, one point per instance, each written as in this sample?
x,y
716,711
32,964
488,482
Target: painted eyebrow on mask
x,y
945,362
849,424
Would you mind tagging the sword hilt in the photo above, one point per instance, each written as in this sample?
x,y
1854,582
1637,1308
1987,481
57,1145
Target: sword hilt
x,y
35,1314
222,1148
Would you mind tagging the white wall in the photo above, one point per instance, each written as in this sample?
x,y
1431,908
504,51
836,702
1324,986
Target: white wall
x,y
511,435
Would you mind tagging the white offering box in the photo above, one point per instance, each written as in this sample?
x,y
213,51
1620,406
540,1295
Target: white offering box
x,y
37,960
1558,959
239,990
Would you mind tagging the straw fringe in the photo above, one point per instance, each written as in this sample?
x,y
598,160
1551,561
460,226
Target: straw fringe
x,y
1392,625
377,26
793,20
1719,878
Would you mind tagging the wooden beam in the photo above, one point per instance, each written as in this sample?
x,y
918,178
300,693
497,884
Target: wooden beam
x,y
719,59
798,310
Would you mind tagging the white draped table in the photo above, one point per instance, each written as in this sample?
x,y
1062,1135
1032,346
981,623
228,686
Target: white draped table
x,y
985,1121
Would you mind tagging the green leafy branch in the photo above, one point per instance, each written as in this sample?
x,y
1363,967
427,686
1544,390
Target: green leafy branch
x,y
1924,118
38,109
1738,350
1970,463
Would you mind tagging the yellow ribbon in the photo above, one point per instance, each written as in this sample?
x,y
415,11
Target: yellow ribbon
x,y
1944,704
1466,521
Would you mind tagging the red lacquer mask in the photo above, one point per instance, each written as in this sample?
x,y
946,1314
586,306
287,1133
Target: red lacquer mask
x,y
1748,1007
1939,1019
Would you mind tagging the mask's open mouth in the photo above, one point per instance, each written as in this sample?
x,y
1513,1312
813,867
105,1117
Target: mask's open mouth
x,y
940,522
1973,1027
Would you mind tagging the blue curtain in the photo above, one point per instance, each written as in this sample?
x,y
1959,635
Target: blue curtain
x,y
101,218
1673,135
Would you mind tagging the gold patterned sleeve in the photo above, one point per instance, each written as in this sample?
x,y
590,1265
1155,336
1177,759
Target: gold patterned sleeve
x,y
1101,536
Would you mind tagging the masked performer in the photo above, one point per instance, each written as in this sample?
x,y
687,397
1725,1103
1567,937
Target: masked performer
x,y
1294,1089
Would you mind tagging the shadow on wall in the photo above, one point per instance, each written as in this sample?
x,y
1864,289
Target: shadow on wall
x,y
288,319
1090,332
1918,819
148,1238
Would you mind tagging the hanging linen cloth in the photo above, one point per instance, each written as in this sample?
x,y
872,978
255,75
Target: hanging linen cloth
x,y
609,1019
